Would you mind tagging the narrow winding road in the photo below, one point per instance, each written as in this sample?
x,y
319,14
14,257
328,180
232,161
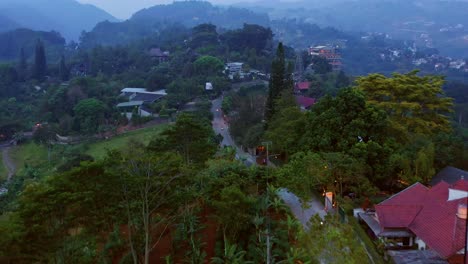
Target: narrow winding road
x,y
302,213
221,127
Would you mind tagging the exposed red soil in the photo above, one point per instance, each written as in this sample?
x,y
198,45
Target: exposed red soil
x,y
165,247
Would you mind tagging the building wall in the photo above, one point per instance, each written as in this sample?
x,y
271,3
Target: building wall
x,y
420,243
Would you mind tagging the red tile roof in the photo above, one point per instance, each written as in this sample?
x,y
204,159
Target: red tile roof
x,y
413,195
305,102
428,214
397,216
303,85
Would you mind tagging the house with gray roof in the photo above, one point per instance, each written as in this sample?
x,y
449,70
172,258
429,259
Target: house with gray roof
x,y
139,101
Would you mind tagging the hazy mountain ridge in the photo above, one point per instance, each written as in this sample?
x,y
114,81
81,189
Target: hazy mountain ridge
x,y
13,41
155,19
68,17
194,13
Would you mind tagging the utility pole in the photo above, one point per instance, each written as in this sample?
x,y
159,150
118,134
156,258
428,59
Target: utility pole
x,y
268,243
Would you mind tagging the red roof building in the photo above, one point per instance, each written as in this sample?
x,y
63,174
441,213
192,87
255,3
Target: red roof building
x,y
433,218
302,86
305,102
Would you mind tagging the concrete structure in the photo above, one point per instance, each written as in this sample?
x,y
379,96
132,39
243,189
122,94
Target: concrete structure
x,y
235,69
332,54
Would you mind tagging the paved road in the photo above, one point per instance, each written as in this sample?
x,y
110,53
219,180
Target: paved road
x,y
292,201
221,127
302,214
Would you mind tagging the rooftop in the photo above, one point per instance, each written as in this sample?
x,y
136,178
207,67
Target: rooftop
x,y
305,102
303,85
429,214
129,104
450,175
146,97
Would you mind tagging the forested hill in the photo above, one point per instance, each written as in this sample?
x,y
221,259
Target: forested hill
x,y
68,17
12,42
6,23
193,13
152,20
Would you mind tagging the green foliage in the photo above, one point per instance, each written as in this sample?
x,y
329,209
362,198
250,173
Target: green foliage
x,y
287,126
246,117
159,77
321,65
208,66
64,71
370,245
192,138
249,37
414,104
234,211
40,63
277,82
89,113
226,104
23,41
333,242
8,78
204,35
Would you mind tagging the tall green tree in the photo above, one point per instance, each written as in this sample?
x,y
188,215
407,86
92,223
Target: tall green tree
x,y
89,113
191,137
64,71
22,67
415,104
277,81
40,63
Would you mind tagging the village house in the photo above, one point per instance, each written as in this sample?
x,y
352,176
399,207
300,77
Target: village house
x,y
235,69
423,218
305,102
139,101
301,87
159,55
330,53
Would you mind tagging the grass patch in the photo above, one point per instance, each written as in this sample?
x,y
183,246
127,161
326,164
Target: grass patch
x,y
99,149
29,153
369,244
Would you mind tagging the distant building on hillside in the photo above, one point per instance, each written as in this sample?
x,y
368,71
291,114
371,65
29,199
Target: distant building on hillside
x,y
159,55
139,100
301,87
332,54
235,69
305,102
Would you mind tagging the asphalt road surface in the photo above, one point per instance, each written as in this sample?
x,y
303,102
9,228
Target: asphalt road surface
x,y
303,214
292,201
221,127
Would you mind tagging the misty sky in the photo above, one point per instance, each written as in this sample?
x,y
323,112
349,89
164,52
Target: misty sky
x,y
125,8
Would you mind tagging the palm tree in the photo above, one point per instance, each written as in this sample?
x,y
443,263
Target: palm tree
x,y
231,255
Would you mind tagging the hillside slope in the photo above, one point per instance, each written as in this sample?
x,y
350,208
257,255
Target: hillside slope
x,y
68,17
